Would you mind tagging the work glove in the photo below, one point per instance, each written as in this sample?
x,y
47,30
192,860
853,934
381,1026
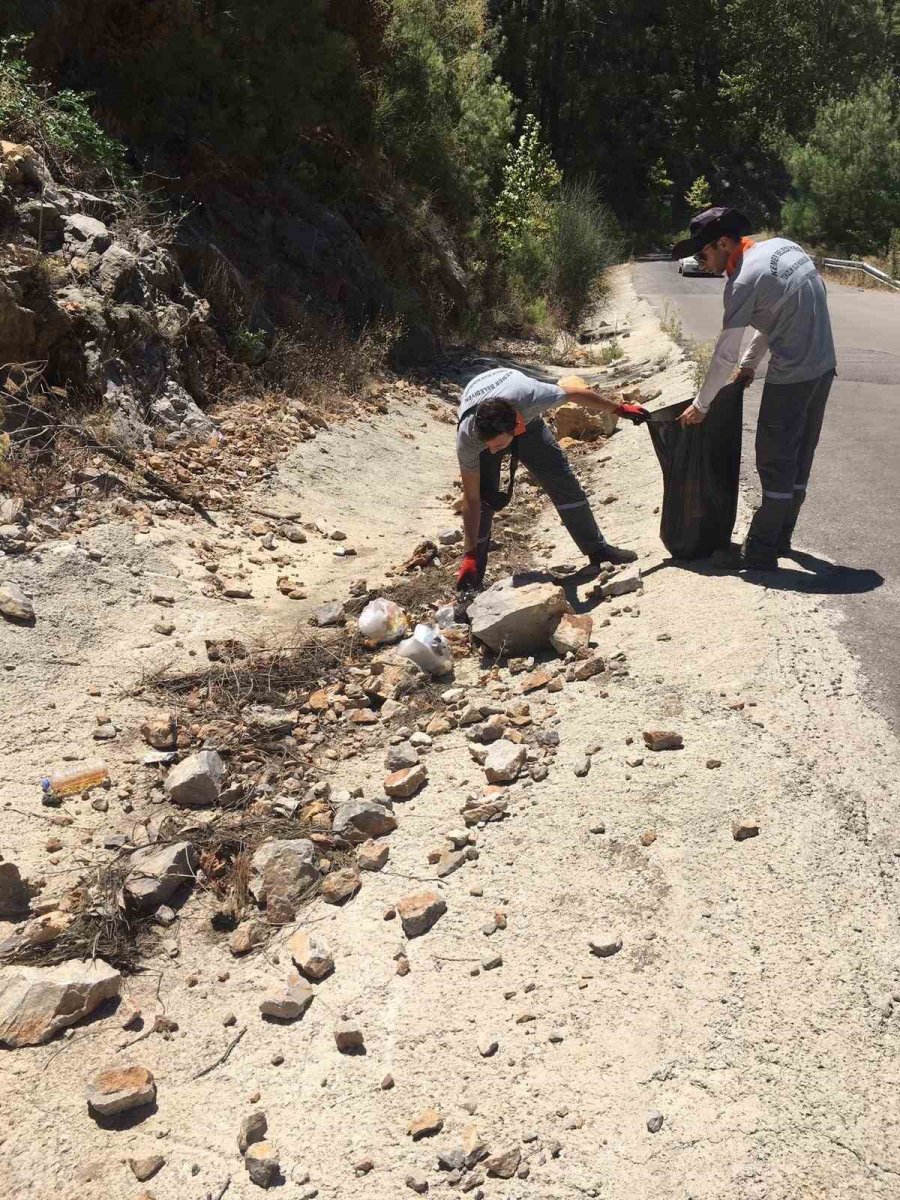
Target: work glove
x,y
467,576
636,413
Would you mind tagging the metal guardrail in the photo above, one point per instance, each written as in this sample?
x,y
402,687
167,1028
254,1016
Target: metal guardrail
x,y
853,264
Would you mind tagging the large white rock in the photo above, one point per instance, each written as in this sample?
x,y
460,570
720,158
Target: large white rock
x,y
157,872
359,820
504,761
517,618
283,870
196,782
36,1002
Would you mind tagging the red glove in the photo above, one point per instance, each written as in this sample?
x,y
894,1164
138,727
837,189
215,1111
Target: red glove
x,y
467,576
636,413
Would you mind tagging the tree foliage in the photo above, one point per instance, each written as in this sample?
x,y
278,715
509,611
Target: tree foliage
x,y
846,176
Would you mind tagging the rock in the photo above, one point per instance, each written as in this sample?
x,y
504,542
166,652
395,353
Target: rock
x,y
145,1168
330,614
713,764
490,962
289,1000
450,537
417,1183
119,1089
517,618
426,1124
477,811
605,945
399,757
573,421
360,820
504,761
582,766
156,873
340,886
283,872
196,782
118,275
86,235
472,1145
36,1002
348,1037
310,954
654,1121
450,861
657,739
14,604
573,633
14,895
588,668
402,785
648,837
38,932
364,1166
261,1161
372,855
505,1164
488,1045
628,579
746,828
247,935
419,911
254,1128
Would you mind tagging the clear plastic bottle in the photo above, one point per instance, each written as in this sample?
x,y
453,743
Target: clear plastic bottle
x,y
68,781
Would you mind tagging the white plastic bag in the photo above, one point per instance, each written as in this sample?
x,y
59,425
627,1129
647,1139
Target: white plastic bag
x,y
383,620
428,650
445,616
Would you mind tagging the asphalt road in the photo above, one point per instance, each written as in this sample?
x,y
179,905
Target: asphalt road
x,y
852,512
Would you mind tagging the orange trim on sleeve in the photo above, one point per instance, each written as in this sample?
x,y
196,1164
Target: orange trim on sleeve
x,y
738,253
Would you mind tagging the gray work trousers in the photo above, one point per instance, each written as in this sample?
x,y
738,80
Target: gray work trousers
x,y
541,454
790,421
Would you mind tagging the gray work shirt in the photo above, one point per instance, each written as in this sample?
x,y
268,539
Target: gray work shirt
x,y
528,396
778,291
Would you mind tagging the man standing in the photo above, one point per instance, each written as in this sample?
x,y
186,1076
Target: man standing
x,y
774,287
502,410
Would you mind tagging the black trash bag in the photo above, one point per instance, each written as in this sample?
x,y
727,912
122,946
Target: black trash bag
x,y
701,468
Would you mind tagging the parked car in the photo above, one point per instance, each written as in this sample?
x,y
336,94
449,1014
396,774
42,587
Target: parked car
x,y
691,266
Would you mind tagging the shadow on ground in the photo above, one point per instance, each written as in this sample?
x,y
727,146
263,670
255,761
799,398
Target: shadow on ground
x,y
817,576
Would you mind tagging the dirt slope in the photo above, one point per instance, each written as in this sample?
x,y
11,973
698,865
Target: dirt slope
x,y
750,1003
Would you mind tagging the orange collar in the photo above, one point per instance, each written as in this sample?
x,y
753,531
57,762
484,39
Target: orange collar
x,y
738,253
520,425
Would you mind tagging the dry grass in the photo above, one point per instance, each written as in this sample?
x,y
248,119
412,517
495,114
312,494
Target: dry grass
x,y
105,927
270,676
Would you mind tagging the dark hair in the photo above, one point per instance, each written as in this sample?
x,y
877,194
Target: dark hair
x,y
493,417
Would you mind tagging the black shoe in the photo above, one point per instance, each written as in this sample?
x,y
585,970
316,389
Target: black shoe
x,y
612,554
759,562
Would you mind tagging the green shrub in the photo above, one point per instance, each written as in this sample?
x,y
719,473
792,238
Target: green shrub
x,y
609,353
587,241
59,125
698,196
249,345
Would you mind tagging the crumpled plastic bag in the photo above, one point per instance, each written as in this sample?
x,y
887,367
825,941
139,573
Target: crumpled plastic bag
x,y
428,650
383,620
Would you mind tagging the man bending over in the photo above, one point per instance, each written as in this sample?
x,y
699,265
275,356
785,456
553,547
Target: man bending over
x,y
502,410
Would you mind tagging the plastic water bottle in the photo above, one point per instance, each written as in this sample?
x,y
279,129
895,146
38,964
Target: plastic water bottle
x,y
68,781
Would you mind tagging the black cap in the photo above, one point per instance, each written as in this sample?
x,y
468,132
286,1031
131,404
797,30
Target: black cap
x,y
710,225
